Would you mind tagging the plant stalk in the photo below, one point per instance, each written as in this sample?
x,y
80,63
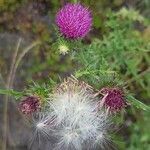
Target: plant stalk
x,y
9,85
5,111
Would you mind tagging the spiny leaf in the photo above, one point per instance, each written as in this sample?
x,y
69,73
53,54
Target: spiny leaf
x,y
11,92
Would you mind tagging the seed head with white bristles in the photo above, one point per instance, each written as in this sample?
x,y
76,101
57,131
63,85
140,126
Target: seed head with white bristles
x,y
77,119
72,119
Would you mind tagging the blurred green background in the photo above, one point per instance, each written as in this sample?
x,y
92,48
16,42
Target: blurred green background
x,y
33,20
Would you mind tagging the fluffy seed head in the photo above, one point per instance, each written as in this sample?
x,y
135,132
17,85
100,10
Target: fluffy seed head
x,y
77,121
29,105
72,119
74,21
113,99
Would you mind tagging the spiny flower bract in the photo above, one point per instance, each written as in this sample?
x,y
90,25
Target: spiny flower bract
x,y
74,21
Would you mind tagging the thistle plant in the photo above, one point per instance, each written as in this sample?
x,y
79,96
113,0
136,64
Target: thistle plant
x,y
77,112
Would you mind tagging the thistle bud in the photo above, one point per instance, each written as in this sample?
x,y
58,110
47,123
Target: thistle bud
x,y
63,49
114,99
30,104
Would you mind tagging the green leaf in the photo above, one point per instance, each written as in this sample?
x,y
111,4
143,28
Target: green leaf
x,y
137,103
11,92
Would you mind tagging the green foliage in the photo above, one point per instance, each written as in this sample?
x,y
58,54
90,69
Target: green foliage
x,y
17,95
41,90
139,139
122,51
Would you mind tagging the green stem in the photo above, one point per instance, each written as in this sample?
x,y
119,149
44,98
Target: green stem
x,y
137,103
11,92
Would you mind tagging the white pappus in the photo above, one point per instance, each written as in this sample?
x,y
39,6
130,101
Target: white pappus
x,y
74,119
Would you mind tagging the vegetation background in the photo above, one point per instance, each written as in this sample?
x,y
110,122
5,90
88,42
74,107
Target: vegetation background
x,y
123,41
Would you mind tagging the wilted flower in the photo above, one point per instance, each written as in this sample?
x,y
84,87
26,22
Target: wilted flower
x,y
114,99
29,105
74,21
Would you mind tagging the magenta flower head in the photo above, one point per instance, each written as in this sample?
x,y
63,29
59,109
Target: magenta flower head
x,y
114,99
74,21
29,105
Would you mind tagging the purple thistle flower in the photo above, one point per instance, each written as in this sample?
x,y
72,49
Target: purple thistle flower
x,y
74,21
29,105
113,99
